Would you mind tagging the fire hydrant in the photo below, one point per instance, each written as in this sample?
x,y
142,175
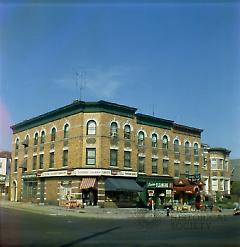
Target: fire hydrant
x,y
168,211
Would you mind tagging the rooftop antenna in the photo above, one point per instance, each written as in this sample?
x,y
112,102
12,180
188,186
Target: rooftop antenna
x,y
76,81
153,111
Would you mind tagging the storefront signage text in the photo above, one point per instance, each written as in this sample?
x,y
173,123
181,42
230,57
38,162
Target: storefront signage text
x,y
158,185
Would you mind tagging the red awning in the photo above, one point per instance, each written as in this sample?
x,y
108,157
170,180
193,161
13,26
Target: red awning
x,y
88,183
189,189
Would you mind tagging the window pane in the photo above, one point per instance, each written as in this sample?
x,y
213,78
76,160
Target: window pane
x,y
165,167
141,167
42,137
41,159
34,163
65,157
36,139
53,135
51,160
127,159
91,128
127,132
154,166
91,156
113,157
66,128
176,169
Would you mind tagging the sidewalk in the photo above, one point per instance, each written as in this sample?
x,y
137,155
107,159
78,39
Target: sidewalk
x,y
106,213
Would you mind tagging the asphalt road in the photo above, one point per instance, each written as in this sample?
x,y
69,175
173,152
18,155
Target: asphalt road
x,y
19,228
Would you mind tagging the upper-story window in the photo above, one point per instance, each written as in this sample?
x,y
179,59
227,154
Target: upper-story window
x,y
114,129
154,140
165,145
176,149
127,132
176,146
187,151
196,152
66,130
196,149
53,134
91,127
17,144
141,138
42,138
36,139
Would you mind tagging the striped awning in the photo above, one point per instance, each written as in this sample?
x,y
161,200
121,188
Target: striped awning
x,y
88,183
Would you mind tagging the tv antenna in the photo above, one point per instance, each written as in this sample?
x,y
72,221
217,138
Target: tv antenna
x,y
80,83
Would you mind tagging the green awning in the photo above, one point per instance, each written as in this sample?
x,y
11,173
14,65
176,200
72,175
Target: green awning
x,y
122,184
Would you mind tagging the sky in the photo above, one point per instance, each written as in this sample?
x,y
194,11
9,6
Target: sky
x,y
177,60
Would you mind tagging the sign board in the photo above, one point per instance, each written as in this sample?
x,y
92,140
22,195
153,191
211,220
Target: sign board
x,y
88,172
157,185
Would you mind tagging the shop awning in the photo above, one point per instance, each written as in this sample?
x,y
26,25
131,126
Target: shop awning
x,y
88,183
188,189
122,184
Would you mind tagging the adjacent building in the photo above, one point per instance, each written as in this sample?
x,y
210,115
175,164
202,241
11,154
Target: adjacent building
x,y
235,179
216,172
5,161
102,153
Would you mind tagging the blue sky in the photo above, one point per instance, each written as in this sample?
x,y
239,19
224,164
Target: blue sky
x,y
180,58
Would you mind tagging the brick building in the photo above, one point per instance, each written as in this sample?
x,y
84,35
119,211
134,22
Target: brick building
x,y
101,153
5,161
216,172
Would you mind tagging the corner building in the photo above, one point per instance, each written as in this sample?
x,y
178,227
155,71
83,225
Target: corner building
x,y
101,153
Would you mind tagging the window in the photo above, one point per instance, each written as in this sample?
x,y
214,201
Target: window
x,y
141,161
36,139
15,165
221,184
141,138
25,161
51,160
127,159
165,167
215,185
220,164
165,145
114,129
196,153
17,144
187,169
127,132
225,165
214,164
66,129
226,186
176,169
1,165
26,144
154,140
42,139
34,164
196,169
53,135
154,166
41,160
65,158
91,156
113,157
91,127
176,149
187,151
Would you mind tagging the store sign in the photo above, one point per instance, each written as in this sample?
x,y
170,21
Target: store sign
x,y
25,176
89,172
158,185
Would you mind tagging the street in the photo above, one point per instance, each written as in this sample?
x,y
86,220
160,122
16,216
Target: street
x,y
18,228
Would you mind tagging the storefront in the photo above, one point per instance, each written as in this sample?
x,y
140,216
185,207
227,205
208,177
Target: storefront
x,y
158,188
121,192
185,192
29,188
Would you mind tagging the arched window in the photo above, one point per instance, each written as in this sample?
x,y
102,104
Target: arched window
x,y
165,145
154,140
91,127
187,151
196,152
42,138
127,132
66,129
53,134
17,144
36,139
196,149
176,146
114,129
141,138
165,142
